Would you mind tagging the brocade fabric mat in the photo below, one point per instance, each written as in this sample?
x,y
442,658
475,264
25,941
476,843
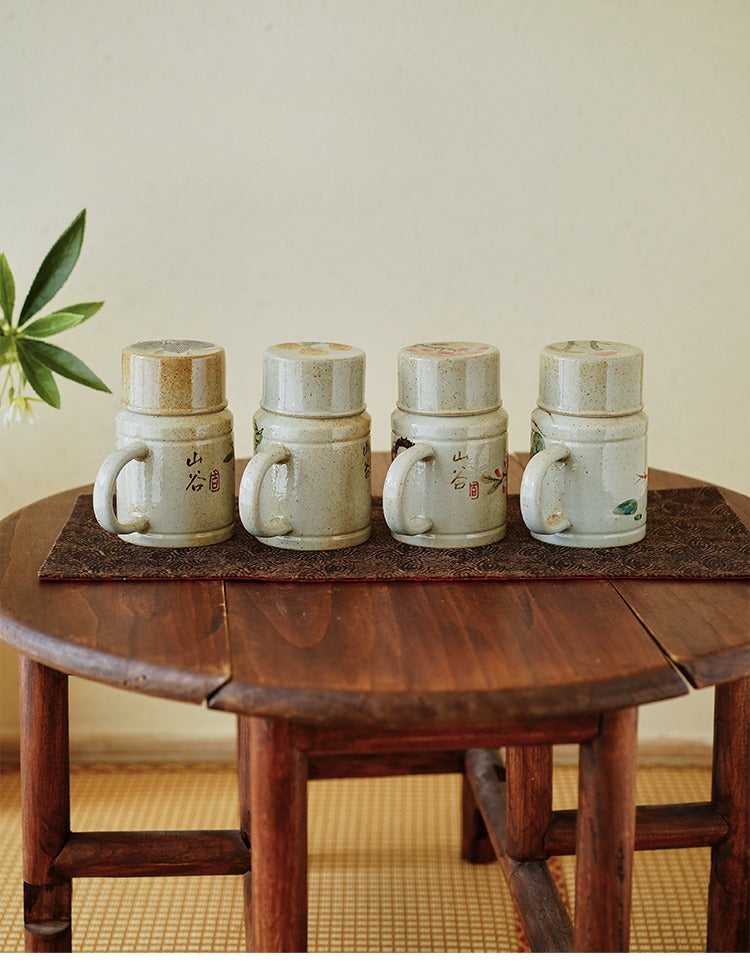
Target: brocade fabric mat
x,y
692,533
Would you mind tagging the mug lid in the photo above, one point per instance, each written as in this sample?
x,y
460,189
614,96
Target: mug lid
x,y
322,379
449,378
173,377
591,378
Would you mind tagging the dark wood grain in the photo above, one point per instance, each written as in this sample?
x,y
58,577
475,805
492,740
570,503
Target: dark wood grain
x,y
476,844
528,774
334,740
126,635
679,825
704,627
348,765
729,887
278,830
545,919
243,785
342,676
131,635
605,835
47,910
45,798
434,654
141,854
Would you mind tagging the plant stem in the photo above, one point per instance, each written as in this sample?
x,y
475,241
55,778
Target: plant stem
x,y
11,364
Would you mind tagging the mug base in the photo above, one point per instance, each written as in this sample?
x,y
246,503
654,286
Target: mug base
x,y
155,539
474,540
318,543
578,540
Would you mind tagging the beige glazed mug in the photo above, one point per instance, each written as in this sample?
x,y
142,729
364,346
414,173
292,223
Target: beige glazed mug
x,y
307,486
586,484
173,467
447,483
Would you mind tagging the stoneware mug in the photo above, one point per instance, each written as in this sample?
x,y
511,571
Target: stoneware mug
x,y
446,486
586,484
307,486
173,467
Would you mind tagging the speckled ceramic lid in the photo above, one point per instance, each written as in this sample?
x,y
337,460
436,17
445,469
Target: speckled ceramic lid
x,y
314,379
173,377
591,378
449,378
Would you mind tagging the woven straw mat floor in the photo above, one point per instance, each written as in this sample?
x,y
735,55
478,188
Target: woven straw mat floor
x,y
385,872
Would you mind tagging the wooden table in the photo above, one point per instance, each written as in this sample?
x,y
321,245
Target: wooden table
x,y
341,679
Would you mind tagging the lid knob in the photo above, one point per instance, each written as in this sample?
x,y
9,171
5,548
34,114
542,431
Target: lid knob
x,y
449,378
314,379
591,378
174,377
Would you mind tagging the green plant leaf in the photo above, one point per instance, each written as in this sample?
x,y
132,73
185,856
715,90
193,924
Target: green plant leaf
x,y
64,363
7,288
5,343
38,375
55,269
52,324
87,309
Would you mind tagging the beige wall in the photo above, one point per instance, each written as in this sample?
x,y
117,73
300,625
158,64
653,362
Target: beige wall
x,y
384,172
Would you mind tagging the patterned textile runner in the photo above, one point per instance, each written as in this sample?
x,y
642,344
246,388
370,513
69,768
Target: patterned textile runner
x,y
692,533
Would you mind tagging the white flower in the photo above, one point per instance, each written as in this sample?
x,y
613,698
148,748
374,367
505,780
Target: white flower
x,y
19,411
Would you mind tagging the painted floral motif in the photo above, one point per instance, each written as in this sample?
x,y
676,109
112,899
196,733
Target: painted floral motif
x,y
460,479
316,348
537,439
630,508
497,480
448,349
257,434
169,348
401,444
596,348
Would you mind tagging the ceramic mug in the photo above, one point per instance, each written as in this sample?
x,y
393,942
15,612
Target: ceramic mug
x,y
307,486
173,467
446,486
586,484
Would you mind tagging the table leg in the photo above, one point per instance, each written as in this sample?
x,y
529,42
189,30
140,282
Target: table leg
x,y
278,831
45,788
528,799
605,835
729,886
243,780
476,845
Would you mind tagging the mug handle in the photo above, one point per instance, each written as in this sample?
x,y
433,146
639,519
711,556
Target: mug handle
x,y
393,491
104,490
531,491
249,500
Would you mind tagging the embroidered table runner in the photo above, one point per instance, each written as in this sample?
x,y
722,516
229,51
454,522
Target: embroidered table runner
x,y
691,533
